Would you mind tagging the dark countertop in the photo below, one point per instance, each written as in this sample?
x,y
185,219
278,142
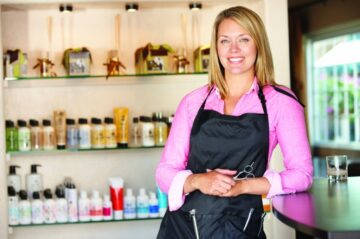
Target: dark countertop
x,y
328,210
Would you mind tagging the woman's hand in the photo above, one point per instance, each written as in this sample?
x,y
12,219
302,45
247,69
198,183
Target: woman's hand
x,y
214,182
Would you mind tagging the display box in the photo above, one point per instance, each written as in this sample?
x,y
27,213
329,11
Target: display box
x,y
201,58
153,59
15,63
77,61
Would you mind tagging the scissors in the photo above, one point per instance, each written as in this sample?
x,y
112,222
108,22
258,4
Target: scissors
x,y
245,173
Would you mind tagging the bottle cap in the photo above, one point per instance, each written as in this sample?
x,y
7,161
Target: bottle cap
x,y
21,123
60,192
95,194
129,192
145,118
83,194
33,123
46,122
23,195
11,191
142,191
135,120
82,121
9,124
109,120
152,195
70,121
48,193
106,197
12,169
95,121
36,195
34,168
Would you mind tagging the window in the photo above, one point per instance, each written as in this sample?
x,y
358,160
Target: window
x,y
333,66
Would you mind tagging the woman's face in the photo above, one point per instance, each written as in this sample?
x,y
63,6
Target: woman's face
x,y
236,48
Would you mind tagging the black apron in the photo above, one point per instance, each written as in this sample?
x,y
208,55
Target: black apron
x,y
229,142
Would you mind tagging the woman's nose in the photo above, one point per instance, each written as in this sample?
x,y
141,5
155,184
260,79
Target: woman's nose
x,y
234,47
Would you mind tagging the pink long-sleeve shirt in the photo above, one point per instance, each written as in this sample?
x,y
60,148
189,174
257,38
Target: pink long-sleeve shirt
x,y
287,128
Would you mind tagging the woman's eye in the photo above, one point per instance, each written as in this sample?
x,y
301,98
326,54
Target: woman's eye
x,y
244,40
224,41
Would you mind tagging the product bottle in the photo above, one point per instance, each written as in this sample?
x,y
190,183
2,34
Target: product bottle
x,y
153,206
110,133
161,133
49,207
34,180
97,134
71,196
71,134
84,134
107,208
37,212
129,205
12,137
36,135
84,207
24,136
48,135
14,179
135,140
60,128
96,205
61,205
121,119
163,202
13,207
147,131
24,209
142,204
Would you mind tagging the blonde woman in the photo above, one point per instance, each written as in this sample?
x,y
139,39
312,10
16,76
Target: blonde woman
x,y
214,167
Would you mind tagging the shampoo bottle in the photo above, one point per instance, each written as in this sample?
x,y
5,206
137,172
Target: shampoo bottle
x,y
129,205
61,205
24,208
36,135
72,203
107,208
37,212
14,179
49,207
153,206
84,207
163,202
48,135
142,204
13,211
96,205
34,180
12,137
24,136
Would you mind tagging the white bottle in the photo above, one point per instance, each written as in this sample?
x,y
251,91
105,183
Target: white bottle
x,y
153,206
129,205
84,134
142,204
37,211
13,207
71,196
84,207
107,208
24,209
49,207
14,179
96,207
34,180
61,206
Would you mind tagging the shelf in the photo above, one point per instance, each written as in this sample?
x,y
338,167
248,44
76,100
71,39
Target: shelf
x,y
355,146
89,222
57,151
101,80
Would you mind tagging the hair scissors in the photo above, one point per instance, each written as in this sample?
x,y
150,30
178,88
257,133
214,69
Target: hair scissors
x,y
247,172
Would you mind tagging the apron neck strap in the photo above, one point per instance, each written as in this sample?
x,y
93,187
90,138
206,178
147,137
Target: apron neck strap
x,y
262,100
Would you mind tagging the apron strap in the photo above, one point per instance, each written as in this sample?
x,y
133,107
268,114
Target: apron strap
x,y
263,100
287,93
203,104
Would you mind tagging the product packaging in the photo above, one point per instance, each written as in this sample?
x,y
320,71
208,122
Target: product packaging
x,y
117,196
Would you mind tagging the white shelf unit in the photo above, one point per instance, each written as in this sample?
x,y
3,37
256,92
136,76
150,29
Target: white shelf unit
x,y
23,25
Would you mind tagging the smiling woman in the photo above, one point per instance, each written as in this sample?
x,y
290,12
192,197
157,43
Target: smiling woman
x,y
215,163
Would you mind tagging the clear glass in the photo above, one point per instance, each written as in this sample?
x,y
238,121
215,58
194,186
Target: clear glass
x,y
337,167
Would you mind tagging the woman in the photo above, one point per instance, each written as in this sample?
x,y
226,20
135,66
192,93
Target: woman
x,y
215,164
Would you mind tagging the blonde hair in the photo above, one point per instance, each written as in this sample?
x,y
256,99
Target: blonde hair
x,y
252,23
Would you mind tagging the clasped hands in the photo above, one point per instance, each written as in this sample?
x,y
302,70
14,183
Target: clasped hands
x,y
218,182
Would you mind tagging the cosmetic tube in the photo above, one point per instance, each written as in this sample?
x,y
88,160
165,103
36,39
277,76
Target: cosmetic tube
x,y
117,196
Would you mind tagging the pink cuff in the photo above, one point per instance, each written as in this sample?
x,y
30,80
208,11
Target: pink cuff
x,y
275,183
176,195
